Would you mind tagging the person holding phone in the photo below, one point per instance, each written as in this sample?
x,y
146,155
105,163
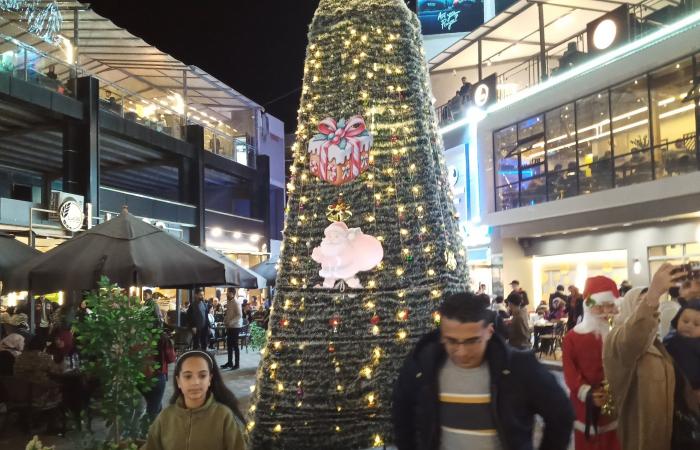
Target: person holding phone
x,y
639,370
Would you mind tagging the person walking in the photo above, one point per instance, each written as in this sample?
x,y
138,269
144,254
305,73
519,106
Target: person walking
x,y
233,320
519,330
199,320
574,307
463,387
44,311
151,304
158,370
517,291
203,413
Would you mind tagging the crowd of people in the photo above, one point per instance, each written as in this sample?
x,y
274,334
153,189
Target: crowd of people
x,y
631,363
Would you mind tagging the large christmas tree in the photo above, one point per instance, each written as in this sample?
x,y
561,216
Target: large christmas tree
x,y
367,155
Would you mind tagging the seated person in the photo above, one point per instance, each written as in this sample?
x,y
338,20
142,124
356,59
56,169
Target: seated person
x,y
559,310
36,365
10,348
61,344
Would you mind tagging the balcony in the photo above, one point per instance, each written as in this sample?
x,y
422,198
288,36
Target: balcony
x,y
524,54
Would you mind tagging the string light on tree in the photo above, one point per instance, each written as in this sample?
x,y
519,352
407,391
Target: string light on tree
x,y
366,155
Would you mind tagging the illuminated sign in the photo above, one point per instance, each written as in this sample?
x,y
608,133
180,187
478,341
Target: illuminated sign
x,y
608,31
71,215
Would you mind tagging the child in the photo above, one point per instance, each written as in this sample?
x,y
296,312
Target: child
x,y
683,343
203,413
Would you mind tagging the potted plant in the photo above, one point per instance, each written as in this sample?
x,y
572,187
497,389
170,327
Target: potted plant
x,y
116,343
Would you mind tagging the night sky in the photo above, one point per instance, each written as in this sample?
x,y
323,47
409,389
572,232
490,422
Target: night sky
x,y
255,46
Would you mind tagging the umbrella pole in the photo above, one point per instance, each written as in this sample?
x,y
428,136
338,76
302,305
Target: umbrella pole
x,y
32,318
178,304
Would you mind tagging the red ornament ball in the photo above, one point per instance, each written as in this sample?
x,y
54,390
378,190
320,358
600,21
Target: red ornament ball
x,y
375,320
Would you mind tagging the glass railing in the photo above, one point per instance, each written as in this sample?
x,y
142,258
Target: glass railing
x,y
25,62
562,57
154,114
234,148
162,114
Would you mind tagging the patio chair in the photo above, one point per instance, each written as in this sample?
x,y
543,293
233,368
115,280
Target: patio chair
x,y
550,342
244,337
182,340
28,400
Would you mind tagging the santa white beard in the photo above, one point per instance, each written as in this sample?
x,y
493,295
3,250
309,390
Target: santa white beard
x,y
593,324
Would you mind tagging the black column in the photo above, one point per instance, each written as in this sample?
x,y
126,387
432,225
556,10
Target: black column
x,y
261,194
195,182
81,147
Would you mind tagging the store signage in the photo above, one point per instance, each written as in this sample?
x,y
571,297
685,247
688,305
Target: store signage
x,y
609,30
457,16
71,215
484,92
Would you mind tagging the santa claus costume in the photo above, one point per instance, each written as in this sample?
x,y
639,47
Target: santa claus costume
x,y
583,367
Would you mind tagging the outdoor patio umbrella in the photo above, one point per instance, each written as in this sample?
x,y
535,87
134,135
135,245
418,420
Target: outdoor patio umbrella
x,y
13,253
130,252
243,277
267,269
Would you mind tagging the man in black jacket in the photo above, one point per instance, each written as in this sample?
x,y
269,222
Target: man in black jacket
x,y
198,319
462,387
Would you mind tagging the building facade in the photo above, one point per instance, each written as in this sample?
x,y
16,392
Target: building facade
x,y
592,169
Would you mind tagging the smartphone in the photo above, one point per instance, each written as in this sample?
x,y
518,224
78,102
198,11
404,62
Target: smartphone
x,y
692,270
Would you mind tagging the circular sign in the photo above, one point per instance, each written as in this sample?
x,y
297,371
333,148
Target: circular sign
x,y
604,34
481,95
71,215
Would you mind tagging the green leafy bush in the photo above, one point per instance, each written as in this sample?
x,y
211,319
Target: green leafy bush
x,y
116,343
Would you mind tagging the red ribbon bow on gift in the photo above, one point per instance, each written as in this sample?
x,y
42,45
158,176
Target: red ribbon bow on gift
x,y
354,127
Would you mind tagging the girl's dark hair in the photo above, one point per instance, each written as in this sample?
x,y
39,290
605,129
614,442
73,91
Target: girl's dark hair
x,y
691,304
218,389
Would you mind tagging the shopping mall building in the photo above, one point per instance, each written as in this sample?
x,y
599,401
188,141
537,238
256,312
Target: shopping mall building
x,y
92,113
578,140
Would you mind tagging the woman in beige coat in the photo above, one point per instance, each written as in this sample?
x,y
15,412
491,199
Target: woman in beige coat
x,y
639,370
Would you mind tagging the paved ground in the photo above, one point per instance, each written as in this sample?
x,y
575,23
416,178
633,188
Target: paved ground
x,y
239,381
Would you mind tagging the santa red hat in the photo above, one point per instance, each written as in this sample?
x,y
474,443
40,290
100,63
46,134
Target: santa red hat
x,y
600,290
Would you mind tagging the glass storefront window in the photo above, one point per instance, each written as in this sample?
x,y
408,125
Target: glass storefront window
x,y
561,152
533,191
561,139
531,160
593,125
633,168
507,197
595,177
630,111
635,132
506,156
673,119
530,127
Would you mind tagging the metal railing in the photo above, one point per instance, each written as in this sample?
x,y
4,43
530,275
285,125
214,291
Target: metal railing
x,y
22,61
528,72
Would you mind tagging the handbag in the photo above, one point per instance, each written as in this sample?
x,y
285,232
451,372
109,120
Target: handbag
x,y
686,415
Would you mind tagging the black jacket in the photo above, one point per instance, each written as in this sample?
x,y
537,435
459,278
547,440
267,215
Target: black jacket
x,y
197,315
520,388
